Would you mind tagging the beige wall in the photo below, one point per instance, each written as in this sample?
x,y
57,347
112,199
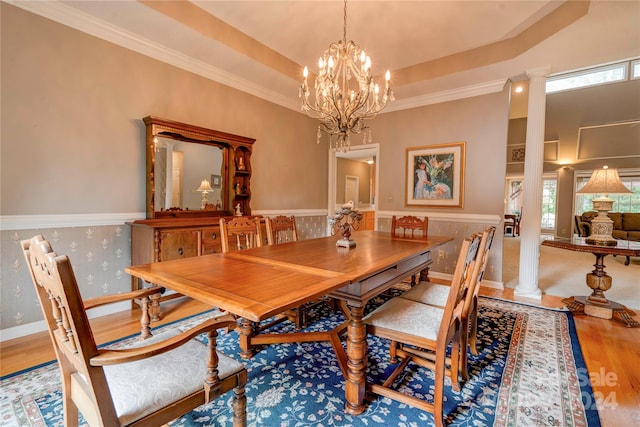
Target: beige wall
x,y
73,138
481,122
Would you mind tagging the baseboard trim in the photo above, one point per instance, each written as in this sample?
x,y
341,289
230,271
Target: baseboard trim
x,y
491,284
41,326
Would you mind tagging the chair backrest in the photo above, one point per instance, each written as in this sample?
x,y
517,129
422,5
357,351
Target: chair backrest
x,y
240,232
66,319
281,229
482,258
407,226
459,294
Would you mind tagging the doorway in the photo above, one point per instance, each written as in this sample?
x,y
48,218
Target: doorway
x,y
367,158
352,189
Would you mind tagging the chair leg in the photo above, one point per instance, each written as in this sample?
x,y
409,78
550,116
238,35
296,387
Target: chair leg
x,y
438,395
393,352
414,279
473,328
70,412
145,319
464,360
301,318
455,363
628,260
239,407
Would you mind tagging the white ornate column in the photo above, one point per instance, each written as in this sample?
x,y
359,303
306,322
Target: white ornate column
x,y
532,196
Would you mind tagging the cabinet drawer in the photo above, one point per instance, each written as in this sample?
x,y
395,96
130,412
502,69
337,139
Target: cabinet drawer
x,y
211,235
211,248
179,244
211,243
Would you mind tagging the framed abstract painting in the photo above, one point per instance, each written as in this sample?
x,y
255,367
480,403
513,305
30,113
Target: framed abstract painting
x,y
435,175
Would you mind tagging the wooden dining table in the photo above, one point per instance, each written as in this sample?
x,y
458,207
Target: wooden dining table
x,y
257,284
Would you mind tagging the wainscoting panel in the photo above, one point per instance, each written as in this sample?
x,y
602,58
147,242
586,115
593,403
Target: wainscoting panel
x,y
99,255
99,248
457,226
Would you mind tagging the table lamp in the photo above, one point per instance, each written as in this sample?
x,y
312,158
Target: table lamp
x,y
603,181
205,188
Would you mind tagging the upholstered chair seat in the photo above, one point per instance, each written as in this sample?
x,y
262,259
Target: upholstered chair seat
x,y
411,317
428,293
138,391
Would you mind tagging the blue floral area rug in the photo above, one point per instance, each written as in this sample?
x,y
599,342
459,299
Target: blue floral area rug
x,y
530,372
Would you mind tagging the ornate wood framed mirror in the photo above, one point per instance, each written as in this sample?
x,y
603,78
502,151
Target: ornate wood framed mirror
x,y
181,157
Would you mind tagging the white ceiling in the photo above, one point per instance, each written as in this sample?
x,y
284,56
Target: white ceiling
x,y
283,36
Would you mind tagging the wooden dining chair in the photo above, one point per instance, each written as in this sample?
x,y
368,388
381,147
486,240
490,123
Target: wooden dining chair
x,y
148,384
240,232
509,224
410,227
436,294
281,229
518,220
421,333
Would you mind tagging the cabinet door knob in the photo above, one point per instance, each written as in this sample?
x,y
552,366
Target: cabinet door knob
x,y
180,251
214,236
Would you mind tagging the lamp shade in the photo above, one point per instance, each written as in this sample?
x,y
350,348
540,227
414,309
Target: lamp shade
x,y
205,186
604,181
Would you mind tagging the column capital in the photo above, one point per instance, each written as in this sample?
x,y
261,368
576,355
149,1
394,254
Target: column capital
x,y
539,72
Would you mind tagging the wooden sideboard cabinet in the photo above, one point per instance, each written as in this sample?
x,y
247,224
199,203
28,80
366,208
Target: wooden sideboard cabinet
x,y
368,220
156,240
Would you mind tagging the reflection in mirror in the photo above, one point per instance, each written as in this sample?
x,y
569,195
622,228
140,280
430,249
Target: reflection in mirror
x,y
180,167
184,161
353,176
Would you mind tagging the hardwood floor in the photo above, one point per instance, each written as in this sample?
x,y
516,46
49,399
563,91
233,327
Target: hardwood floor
x,y
611,352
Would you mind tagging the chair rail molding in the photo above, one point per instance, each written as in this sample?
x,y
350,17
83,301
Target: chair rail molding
x,y
489,219
30,222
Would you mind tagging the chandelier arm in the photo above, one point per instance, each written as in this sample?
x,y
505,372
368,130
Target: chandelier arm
x,y
345,95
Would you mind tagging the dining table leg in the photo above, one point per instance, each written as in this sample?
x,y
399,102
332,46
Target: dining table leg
x,y
246,332
356,380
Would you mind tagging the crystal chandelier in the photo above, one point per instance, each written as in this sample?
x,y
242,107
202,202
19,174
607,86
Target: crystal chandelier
x,y
345,93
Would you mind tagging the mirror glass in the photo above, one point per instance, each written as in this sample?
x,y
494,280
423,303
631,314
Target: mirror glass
x,y
179,170
353,177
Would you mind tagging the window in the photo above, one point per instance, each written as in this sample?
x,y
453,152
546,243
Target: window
x,y
635,69
549,192
624,202
590,77
514,195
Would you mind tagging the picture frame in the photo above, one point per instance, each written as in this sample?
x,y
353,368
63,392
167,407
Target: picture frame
x,y
435,175
216,181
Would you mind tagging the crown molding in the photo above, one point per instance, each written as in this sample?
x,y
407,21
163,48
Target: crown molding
x,y
447,95
71,17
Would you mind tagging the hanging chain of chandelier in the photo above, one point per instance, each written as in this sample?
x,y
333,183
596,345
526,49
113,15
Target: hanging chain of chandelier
x,y
345,94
